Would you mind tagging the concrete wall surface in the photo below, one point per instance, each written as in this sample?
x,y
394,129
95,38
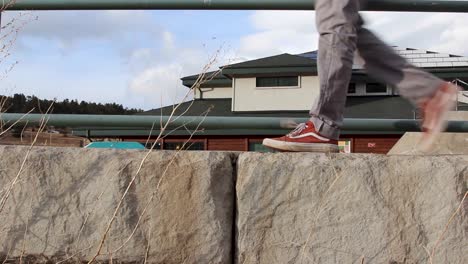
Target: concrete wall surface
x,y
445,144
220,207
311,208
65,198
249,97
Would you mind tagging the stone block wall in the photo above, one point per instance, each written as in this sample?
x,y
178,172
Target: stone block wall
x,y
71,205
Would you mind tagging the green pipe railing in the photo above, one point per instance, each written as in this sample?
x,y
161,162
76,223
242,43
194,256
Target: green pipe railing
x,y
211,122
373,5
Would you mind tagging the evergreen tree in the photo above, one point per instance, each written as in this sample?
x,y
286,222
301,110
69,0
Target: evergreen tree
x,y
19,103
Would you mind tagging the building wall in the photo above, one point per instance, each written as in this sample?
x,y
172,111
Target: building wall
x,y
227,144
214,93
377,145
247,97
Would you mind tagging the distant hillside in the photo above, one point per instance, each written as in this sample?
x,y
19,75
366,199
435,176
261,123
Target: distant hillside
x,y
19,103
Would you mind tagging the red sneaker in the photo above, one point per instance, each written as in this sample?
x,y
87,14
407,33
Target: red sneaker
x,y
435,111
303,139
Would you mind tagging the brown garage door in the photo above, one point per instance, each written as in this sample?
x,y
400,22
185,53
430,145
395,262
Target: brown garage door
x,y
227,144
374,145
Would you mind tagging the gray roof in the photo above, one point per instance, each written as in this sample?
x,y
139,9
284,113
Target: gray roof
x,y
208,75
418,57
438,63
285,64
425,58
216,107
211,79
386,107
282,60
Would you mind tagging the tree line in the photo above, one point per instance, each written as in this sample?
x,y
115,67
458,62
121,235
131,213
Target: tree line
x,y
19,103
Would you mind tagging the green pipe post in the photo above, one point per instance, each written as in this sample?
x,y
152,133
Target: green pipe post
x,y
192,122
373,5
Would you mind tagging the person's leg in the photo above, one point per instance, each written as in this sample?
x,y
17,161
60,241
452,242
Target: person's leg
x,y
434,96
384,64
338,23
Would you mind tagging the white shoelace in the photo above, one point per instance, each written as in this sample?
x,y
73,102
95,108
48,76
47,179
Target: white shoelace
x,y
300,127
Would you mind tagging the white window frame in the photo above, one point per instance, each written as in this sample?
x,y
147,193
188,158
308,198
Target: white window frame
x,y
361,90
356,90
299,83
388,92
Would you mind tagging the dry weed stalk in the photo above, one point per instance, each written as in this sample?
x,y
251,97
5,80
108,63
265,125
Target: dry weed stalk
x,y
6,4
23,248
149,135
22,131
83,225
10,187
9,34
153,194
3,101
15,123
442,235
7,254
147,245
163,129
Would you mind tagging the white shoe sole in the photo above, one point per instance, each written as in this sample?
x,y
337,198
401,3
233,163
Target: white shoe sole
x,y
301,147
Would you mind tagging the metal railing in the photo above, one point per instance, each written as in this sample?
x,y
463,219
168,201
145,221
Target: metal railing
x,y
122,122
372,5
213,122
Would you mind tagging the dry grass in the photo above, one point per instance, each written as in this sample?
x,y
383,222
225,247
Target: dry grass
x,y
164,127
9,35
15,180
433,252
11,30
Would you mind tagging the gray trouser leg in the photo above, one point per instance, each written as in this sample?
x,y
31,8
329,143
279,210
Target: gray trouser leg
x,y
382,62
337,23
341,34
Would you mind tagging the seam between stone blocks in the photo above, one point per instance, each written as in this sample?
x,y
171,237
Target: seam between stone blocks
x,y
234,162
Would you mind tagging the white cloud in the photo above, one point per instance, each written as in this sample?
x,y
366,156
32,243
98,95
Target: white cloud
x,y
150,56
71,27
295,32
158,84
299,21
292,32
454,36
440,32
157,72
279,32
154,59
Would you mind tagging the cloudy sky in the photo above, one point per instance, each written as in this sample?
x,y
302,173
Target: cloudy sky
x,y
136,58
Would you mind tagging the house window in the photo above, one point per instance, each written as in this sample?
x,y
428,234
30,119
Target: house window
x,y
179,145
352,88
281,81
376,88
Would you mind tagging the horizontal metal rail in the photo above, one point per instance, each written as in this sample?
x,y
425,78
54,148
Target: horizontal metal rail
x,y
373,5
192,122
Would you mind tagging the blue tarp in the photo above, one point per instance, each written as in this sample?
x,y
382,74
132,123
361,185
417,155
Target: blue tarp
x,y
116,145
